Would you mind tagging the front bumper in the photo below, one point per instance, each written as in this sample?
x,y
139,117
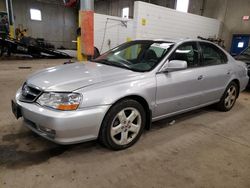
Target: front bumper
x,y
68,127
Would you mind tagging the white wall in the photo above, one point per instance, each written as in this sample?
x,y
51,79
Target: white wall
x,y
116,32
163,22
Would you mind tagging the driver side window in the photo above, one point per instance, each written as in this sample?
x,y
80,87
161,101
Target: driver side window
x,y
187,52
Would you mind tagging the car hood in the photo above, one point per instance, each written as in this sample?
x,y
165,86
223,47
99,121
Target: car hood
x,y
74,76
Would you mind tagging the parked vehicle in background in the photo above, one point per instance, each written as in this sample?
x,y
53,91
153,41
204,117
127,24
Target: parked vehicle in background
x,y
245,57
114,97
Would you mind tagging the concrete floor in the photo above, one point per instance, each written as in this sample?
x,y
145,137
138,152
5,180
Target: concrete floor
x,y
205,148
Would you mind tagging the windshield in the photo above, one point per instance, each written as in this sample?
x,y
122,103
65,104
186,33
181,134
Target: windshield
x,y
140,56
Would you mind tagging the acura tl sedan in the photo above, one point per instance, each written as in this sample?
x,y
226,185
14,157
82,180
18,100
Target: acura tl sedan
x,y
117,95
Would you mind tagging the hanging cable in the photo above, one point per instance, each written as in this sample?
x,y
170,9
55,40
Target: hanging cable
x,y
104,35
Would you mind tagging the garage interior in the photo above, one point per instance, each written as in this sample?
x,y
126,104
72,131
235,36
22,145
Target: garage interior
x,y
202,148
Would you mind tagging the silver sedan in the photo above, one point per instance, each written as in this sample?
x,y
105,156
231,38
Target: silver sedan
x,y
116,96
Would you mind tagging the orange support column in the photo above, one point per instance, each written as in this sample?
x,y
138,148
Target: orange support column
x,y
87,32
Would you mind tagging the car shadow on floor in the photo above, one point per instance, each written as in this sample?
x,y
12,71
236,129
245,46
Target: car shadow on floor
x,y
26,148
13,157
247,90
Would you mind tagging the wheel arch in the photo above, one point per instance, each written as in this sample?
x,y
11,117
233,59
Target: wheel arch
x,y
236,81
144,104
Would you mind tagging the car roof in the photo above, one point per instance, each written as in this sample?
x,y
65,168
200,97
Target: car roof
x,y
179,40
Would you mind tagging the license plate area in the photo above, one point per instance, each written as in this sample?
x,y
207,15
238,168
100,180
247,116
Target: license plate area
x,y
16,109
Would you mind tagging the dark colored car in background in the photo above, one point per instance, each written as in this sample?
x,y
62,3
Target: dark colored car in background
x,y
245,57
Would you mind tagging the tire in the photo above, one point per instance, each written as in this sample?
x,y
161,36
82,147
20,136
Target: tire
x,y
229,97
123,125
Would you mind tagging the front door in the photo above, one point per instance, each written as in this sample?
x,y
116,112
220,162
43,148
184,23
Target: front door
x,y
180,90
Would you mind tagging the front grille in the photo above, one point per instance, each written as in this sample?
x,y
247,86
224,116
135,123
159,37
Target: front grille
x,y
29,93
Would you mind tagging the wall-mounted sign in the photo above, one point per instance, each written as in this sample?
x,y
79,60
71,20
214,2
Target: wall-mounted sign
x,y
70,3
245,18
143,21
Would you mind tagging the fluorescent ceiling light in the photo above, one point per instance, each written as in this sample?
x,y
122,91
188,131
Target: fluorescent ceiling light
x,y
182,5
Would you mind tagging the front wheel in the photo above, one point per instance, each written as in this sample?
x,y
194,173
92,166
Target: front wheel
x,y
229,97
123,125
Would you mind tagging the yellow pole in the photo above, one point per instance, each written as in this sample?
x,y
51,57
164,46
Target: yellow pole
x,y
80,56
12,31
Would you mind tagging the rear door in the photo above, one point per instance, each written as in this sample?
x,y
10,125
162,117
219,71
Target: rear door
x,y
215,72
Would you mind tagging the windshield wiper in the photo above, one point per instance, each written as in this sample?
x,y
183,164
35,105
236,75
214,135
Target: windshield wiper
x,y
111,63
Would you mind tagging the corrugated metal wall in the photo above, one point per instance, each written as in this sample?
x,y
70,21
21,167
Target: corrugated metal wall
x,y
163,22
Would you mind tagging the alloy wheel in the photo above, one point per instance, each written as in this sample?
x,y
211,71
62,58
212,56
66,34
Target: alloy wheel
x,y
126,126
230,97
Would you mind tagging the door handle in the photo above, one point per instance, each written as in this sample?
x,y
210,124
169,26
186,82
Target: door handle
x,y
200,77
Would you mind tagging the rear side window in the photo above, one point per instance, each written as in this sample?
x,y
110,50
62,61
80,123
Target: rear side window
x,y
212,55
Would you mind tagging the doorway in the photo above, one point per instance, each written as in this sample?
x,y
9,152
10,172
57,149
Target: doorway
x,y
239,44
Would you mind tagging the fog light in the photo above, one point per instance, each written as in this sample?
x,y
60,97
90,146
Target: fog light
x,y
49,132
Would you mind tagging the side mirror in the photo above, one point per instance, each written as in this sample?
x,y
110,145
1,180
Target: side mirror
x,y
174,65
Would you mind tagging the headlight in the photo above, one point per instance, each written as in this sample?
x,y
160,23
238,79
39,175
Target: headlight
x,y
60,101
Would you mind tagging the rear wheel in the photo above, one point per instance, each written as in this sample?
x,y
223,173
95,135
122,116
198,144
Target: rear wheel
x,y
229,97
123,125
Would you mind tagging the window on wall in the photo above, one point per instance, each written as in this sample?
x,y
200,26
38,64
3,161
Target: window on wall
x,y
125,12
35,14
182,5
